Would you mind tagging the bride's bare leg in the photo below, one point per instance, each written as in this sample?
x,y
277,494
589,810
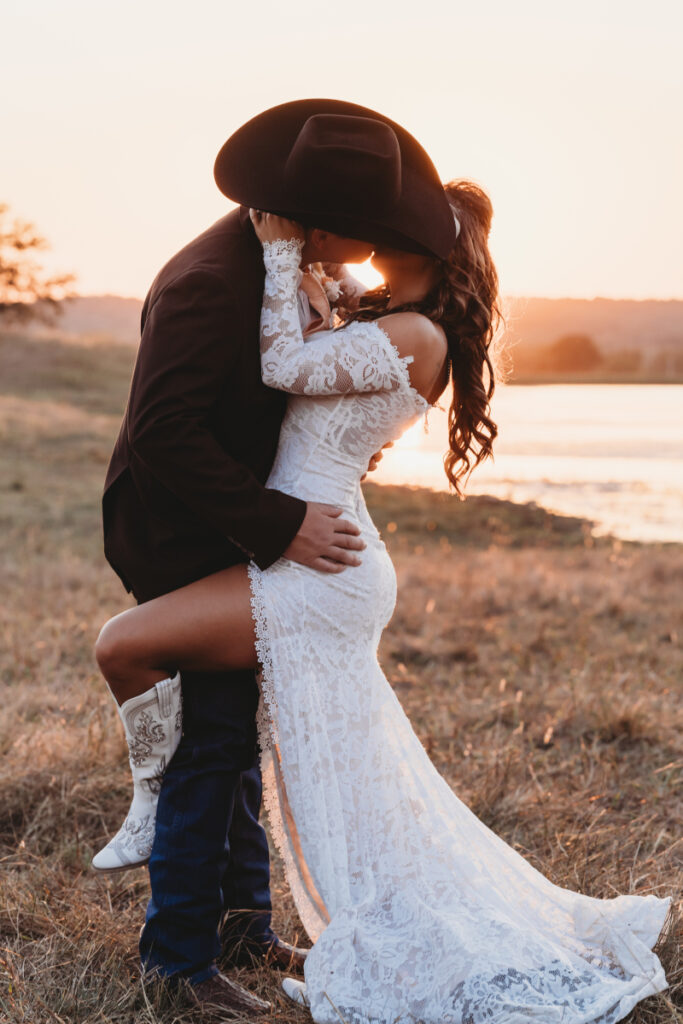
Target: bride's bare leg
x,y
205,626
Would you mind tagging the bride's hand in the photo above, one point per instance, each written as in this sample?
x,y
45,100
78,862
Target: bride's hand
x,y
269,227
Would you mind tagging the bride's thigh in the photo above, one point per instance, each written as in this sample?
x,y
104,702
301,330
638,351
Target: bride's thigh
x,y
203,627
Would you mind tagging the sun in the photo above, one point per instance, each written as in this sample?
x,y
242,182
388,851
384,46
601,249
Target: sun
x,y
366,273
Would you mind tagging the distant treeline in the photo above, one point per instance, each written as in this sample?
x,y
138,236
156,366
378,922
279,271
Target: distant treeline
x,y
594,339
545,339
578,354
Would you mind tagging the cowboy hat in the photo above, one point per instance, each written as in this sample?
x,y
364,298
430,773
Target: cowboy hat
x,y
341,167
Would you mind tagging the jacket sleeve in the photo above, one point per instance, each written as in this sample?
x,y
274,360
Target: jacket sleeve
x,y
185,362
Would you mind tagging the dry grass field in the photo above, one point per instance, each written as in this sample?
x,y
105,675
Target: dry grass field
x,y
542,669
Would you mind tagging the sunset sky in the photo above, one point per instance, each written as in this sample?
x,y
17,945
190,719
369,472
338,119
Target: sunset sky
x,y
569,115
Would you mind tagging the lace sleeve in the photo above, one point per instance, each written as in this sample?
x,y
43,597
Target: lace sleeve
x,y
354,359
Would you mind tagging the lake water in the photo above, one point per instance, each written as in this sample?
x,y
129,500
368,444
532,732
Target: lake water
x,y
610,453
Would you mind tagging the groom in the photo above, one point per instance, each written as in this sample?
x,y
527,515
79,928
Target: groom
x,y
185,494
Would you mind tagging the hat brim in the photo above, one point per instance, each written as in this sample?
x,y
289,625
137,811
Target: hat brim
x,y
250,169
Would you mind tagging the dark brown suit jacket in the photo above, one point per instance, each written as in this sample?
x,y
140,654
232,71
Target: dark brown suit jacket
x,y
184,493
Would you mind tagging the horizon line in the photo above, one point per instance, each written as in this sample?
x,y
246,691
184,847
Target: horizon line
x,y
506,297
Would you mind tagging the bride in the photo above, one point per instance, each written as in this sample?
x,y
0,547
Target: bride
x,y
417,911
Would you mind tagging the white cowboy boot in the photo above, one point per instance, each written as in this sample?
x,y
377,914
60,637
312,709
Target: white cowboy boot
x,y
152,722
295,991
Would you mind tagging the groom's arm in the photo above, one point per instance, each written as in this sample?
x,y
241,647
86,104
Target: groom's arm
x,y
185,363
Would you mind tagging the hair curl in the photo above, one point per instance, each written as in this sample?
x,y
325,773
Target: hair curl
x,y
465,302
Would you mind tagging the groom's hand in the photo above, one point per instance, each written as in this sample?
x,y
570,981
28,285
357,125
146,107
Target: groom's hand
x,y
324,541
376,459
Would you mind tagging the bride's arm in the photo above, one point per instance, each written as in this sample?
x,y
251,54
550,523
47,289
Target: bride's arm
x,y
361,359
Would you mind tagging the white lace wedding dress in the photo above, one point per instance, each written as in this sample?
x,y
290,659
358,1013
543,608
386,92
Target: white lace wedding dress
x,y
417,911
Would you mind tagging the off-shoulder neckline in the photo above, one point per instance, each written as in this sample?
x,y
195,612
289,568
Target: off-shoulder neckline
x,y
404,362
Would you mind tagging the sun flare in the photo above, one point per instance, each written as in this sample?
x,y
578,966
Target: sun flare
x,y
366,273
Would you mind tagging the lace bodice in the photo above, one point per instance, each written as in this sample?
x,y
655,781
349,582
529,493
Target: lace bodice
x,y
351,390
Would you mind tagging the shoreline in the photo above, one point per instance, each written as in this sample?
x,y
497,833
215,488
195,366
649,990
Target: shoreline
x,y
66,392
411,513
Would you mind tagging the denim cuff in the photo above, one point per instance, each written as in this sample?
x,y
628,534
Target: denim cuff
x,y
248,927
204,975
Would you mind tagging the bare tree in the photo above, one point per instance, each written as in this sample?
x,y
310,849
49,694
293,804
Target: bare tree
x,y
26,292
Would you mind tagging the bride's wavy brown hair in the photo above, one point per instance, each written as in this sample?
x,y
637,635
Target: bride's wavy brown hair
x,y
466,303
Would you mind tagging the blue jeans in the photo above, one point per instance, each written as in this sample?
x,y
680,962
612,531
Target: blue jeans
x,y
210,855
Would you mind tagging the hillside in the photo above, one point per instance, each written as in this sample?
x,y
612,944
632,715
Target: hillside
x,y
612,323
594,340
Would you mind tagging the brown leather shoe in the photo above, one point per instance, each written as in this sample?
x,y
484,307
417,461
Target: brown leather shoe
x,y
219,996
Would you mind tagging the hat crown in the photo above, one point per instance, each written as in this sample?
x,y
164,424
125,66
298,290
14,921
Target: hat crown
x,y
359,158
